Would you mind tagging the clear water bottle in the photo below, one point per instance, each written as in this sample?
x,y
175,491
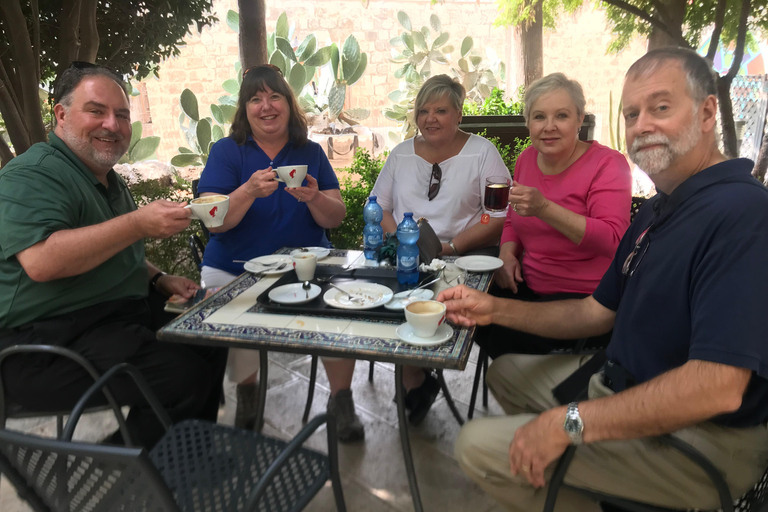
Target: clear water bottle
x,y
373,235
408,251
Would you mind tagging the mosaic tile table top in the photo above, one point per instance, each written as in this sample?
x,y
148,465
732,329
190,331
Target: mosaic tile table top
x,y
232,318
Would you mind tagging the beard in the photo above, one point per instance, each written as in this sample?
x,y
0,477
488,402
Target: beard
x,y
654,161
92,157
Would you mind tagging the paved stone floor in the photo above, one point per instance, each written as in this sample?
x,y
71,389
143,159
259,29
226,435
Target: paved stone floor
x,y
373,474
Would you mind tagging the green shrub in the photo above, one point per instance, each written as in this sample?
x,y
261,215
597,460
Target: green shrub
x,y
171,254
355,192
508,153
495,105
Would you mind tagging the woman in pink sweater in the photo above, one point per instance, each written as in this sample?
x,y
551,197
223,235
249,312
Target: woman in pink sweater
x,y
569,207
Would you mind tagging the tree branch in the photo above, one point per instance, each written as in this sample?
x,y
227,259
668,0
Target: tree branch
x,y
16,27
14,122
89,33
715,40
741,38
5,153
35,34
661,10
621,4
69,41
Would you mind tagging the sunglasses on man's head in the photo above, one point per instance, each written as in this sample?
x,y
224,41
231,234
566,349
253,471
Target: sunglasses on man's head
x,y
434,188
264,66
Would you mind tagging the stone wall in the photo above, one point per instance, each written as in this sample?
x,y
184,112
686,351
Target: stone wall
x,y
576,48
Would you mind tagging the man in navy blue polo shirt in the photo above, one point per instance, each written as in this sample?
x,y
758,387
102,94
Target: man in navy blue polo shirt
x,y
685,295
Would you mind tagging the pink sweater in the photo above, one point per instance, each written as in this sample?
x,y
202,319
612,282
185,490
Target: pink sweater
x,y
599,187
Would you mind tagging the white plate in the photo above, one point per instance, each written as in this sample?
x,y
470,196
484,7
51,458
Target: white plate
x,y
375,294
278,259
320,252
478,263
294,294
443,334
399,301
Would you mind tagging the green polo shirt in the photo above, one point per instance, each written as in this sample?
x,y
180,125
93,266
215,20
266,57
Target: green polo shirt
x,y
45,190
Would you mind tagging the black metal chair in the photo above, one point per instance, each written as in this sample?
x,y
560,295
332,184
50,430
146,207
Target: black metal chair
x,y
196,466
755,500
581,347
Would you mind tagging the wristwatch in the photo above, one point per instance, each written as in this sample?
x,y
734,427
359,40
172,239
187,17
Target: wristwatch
x,y
455,252
573,425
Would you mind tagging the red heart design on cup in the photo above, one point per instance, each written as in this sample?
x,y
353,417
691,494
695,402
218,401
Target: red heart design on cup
x,y
292,173
212,213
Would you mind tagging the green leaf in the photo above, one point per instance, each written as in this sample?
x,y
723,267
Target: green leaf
x,y
319,58
396,41
408,40
419,40
447,48
441,40
309,71
336,100
358,73
182,149
297,78
277,59
394,116
188,103
144,148
466,46
396,96
185,160
231,86
404,20
285,48
136,129
216,113
335,61
281,28
475,60
203,133
228,113
271,43
358,114
217,133
400,73
228,100
233,21
306,48
435,22
350,56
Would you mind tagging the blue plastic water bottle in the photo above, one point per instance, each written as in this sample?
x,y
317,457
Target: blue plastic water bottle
x,y
372,233
408,251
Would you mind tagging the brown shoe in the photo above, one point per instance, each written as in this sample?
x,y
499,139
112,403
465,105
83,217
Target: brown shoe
x,y
348,425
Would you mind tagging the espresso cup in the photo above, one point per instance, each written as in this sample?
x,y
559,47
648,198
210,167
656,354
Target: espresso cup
x,y
210,210
292,175
425,316
305,264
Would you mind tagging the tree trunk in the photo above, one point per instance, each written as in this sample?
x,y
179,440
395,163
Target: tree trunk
x,y
532,40
14,122
726,116
69,28
672,14
253,33
5,153
762,161
89,34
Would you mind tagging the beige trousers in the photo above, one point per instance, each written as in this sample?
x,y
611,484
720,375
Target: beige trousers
x,y
639,469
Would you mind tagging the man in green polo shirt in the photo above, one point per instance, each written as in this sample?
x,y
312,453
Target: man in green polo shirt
x,y
73,271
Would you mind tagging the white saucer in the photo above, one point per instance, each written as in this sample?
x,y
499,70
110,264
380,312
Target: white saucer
x,y
443,334
399,301
278,259
294,294
320,252
478,263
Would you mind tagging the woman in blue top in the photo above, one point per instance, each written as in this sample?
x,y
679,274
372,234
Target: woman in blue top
x,y
269,130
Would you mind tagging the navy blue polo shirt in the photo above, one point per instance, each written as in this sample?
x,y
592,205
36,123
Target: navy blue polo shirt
x,y
700,283
271,222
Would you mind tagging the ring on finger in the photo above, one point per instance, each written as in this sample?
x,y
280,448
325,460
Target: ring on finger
x,y
526,469
514,207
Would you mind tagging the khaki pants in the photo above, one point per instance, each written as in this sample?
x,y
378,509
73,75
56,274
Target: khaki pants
x,y
639,469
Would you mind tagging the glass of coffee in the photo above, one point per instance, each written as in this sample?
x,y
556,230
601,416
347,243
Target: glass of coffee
x,y
497,193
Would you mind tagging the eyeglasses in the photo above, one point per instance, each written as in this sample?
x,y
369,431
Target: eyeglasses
x,y
636,256
264,66
434,188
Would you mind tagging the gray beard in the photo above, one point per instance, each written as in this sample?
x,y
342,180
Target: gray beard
x,y
90,155
657,160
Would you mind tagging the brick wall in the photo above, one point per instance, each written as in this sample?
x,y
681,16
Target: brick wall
x,y
576,48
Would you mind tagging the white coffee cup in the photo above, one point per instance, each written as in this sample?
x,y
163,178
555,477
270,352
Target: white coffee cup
x,y
210,210
292,175
305,264
425,316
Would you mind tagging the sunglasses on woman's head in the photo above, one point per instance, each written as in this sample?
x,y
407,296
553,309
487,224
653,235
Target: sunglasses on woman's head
x,y
264,66
434,188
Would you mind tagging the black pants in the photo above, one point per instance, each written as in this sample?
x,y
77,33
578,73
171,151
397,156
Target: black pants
x,y
497,340
186,379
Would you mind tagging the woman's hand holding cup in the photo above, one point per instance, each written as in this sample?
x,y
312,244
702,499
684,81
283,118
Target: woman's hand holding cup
x,y
305,194
527,201
261,183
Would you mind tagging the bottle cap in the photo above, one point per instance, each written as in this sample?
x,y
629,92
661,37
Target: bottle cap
x,y
408,214
372,198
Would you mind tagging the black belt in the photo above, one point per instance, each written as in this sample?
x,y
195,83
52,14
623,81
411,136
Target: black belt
x,y
616,377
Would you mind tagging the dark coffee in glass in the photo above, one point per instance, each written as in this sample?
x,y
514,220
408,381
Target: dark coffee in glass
x,y
496,193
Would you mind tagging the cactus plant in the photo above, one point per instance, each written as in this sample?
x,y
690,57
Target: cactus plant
x,y
479,77
139,148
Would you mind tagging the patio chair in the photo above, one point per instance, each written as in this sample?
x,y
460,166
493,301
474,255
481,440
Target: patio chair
x,y
755,500
197,248
196,466
581,347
